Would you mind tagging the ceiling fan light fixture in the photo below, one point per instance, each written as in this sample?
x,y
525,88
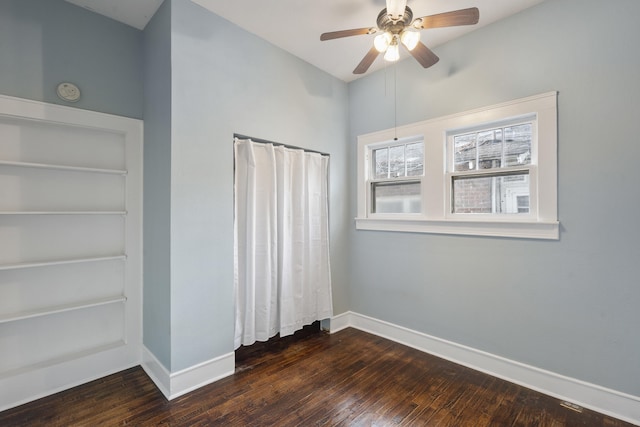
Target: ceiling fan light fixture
x,y
382,41
393,53
395,9
410,38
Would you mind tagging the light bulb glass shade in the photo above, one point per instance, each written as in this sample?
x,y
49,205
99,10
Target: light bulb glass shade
x,y
393,54
410,39
395,8
382,41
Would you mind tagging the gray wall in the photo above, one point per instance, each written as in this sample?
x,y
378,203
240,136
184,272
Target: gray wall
x,y
225,80
45,42
569,306
157,185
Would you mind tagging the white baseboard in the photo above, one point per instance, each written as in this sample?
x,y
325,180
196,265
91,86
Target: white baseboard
x,y
340,322
176,384
606,401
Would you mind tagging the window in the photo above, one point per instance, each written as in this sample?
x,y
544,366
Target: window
x,y
491,171
395,177
489,168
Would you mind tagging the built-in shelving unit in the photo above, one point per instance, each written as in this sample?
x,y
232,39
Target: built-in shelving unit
x,y
70,249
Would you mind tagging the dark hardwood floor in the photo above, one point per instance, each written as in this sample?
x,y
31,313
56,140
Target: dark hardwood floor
x,y
350,378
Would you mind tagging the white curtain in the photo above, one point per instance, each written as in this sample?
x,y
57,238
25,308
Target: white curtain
x,y
281,259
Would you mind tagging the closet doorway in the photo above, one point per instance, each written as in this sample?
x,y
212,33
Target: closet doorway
x,y
281,240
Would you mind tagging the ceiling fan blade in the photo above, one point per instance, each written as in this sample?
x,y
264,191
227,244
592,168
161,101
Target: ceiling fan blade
x,y
366,62
346,33
449,19
424,55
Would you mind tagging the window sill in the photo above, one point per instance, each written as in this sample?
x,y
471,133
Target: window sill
x,y
549,230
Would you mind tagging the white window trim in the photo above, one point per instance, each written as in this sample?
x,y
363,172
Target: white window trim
x,y
542,223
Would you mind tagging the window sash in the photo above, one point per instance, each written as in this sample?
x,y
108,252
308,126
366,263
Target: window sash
x,y
529,172
492,148
388,146
406,200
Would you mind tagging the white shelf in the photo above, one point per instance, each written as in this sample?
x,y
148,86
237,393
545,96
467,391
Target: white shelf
x,y
13,317
62,359
123,213
60,262
62,168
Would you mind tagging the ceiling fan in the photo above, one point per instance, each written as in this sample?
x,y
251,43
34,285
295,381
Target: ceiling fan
x,y
397,26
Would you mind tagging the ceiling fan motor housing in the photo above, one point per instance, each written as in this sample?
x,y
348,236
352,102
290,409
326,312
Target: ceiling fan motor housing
x,y
385,23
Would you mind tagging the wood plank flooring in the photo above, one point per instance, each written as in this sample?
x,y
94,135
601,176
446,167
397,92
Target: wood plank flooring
x,y
350,378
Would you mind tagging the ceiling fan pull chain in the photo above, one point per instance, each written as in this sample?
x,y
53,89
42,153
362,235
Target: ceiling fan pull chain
x,y
395,103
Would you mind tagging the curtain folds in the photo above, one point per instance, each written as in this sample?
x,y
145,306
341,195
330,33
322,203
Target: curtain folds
x,y
281,249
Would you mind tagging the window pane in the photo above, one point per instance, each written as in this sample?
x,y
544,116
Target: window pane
x,y
493,148
517,140
396,161
381,163
490,149
415,159
497,194
465,152
396,197
523,204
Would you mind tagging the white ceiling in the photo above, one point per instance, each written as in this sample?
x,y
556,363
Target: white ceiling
x,y
296,25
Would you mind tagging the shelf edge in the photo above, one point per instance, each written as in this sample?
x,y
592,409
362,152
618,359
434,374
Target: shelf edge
x,y
61,262
62,167
123,213
15,317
